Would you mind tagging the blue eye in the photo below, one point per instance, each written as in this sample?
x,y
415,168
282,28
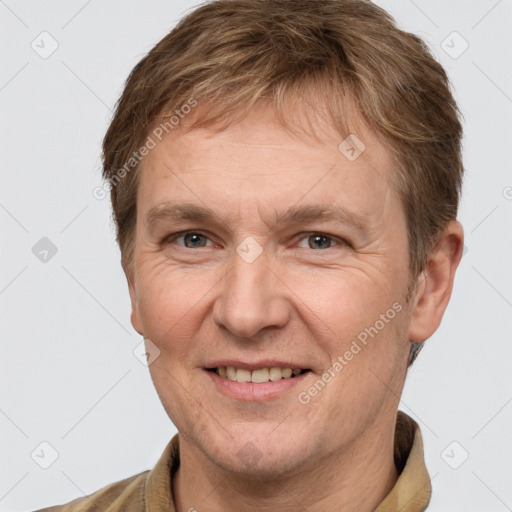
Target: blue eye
x,y
193,237
319,241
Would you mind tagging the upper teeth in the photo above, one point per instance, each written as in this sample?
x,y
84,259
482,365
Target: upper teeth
x,y
259,376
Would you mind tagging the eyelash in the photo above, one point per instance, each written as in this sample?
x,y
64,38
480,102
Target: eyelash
x,y
338,241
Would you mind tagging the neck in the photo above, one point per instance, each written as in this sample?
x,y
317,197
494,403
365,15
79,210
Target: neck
x,y
356,479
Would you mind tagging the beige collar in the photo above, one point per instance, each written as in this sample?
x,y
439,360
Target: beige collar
x,y
411,492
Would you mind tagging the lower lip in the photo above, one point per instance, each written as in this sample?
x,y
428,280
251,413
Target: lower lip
x,y
251,391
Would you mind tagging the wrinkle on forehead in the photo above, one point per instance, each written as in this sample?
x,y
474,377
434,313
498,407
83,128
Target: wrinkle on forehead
x,y
260,163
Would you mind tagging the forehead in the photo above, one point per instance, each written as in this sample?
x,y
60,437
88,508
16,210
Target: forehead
x,y
257,161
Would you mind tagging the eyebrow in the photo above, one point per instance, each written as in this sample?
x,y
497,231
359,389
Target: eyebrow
x,y
293,215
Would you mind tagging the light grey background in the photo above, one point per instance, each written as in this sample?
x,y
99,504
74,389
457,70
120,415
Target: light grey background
x,y
68,373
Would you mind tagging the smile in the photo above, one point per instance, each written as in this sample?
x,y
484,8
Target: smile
x,y
258,376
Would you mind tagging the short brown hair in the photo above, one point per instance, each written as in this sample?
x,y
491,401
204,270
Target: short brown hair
x,y
230,54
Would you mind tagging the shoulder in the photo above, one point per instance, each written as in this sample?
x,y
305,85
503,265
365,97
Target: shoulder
x,y
150,489
112,498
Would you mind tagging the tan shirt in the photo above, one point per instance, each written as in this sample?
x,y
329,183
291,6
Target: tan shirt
x,y
151,491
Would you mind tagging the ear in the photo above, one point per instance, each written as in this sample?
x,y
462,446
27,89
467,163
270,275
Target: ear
x,y
130,278
434,292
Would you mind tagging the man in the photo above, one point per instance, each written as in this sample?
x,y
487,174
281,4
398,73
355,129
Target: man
x,y
285,179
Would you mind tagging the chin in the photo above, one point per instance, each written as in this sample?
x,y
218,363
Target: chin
x,y
261,457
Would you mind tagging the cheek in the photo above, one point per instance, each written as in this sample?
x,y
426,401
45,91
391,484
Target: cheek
x,y
362,320
168,297
347,299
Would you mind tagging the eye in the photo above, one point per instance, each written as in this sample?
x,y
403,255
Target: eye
x,y
194,239
322,241
191,239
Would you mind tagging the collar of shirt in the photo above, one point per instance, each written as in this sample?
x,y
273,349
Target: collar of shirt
x,y
411,492
151,491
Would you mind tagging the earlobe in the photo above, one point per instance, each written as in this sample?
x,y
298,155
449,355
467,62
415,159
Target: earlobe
x,y
135,320
134,316
433,294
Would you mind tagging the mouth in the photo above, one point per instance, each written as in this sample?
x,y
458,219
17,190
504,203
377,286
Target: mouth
x,y
258,375
257,380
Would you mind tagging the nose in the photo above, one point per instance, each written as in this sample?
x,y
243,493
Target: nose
x,y
252,299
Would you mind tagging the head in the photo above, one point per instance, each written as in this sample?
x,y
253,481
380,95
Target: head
x,y
249,110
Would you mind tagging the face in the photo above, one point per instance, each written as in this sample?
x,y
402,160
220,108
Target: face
x,y
234,267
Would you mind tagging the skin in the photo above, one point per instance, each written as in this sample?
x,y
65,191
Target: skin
x,y
299,301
